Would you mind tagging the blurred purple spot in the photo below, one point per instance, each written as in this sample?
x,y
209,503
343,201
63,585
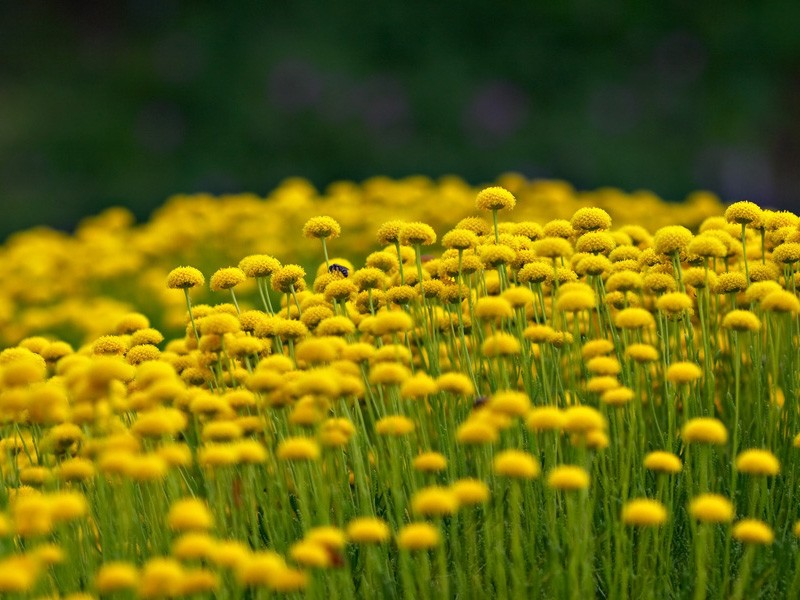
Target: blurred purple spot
x,y
160,127
294,85
497,110
614,109
383,104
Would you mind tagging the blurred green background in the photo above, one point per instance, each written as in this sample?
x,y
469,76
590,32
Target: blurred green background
x,y
128,102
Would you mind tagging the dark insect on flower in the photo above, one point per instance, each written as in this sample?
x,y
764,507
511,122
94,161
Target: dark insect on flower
x,y
341,269
480,401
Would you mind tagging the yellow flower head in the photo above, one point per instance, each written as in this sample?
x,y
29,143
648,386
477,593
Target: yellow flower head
x,y
417,234
753,531
704,430
684,372
664,462
590,219
516,464
758,462
259,265
470,491
367,530
115,577
644,512
745,213
434,501
568,478
226,278
322,227
430,462
495,198
418,536
185,278
711,508
394,425
298,448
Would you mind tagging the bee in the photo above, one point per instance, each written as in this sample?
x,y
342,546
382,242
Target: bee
x,y
479,402
337,268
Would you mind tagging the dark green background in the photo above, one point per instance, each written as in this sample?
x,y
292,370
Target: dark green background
x,y
128,102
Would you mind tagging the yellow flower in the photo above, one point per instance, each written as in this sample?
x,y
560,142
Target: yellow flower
x,y
758,462
194,545
745,213
298,448
189,514
116,576
568,477
781,301
394,425
617,397
327,536
634,318
671,239
322,227
310,554
226,278
68,506
753,531
495,198
454,383
711,508
510,403
160,577
665,462
590,219
418,536
434,501
470,491
417,234
545,418
582,419
475,431
420,385
430,462
684,372
367,530
642,353
500,344
644,512
288,580
517,464
185,278
704,430
603,365
259,265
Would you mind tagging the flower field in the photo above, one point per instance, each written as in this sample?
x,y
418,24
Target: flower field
x,y
404,389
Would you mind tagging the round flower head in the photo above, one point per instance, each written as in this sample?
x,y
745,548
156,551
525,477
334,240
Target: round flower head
x,y
684,372
460,239
642,353
753,531
298,448
634,318
310,554
476,431
672,239
545,418
394,425
664,462
226,278
711,508
185,278
367,530
674,303
595,242
321,227
535,272
745,213
552,247
418,536
781,301
590,219
417,234
568,477
787,253
389,232
430,462
741,320
704,430
643,512
286,277
758,462
582,419
470,491
434,501
516,464
116,577
495,198
259,265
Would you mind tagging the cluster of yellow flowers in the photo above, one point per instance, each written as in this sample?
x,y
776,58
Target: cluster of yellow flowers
x,y
555,407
